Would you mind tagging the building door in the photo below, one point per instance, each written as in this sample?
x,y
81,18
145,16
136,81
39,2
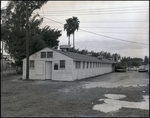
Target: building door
x,y
48,70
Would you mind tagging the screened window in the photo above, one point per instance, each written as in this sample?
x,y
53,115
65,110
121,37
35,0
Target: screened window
x,y
83,64
31,63
87,64
77,64
43,54
90,64
49,54
62,63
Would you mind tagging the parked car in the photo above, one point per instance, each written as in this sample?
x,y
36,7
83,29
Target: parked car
x,y
142,69
132,68
120,69
135,69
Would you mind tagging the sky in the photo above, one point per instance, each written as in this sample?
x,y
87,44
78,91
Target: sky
x,y
104,25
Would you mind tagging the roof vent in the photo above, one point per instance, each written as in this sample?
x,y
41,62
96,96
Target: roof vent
x,y
110,58
100,57
64,48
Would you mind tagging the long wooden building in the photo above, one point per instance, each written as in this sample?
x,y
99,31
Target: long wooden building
x,y
64,65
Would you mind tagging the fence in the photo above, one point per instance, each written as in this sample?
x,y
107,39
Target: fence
x,y
9,69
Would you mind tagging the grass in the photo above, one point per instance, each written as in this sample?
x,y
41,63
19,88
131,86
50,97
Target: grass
x,y
48,99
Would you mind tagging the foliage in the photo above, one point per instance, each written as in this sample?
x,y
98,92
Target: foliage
x,y
127,61
14,30
105,55
146,60
71,25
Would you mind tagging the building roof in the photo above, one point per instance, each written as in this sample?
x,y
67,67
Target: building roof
x,y
82,57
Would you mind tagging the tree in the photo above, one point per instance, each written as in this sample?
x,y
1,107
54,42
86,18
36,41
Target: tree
x,y
68,29
14,30
116,57
50,36
71,25
75,26
145,60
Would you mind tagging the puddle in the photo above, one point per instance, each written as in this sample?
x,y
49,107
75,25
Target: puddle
x,y
109,85
113,96
113,104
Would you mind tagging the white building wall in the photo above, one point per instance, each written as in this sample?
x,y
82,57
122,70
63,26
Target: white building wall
x,y
80,73
39,73
70,72
63,74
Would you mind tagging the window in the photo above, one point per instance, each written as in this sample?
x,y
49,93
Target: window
x,y
87,64
55,66
31,63
43,54
49,54
93,64
62,63
77,64
83,64
90,64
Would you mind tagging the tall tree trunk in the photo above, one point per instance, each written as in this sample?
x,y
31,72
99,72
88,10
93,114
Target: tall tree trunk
x,y
27,43
69,42
73,42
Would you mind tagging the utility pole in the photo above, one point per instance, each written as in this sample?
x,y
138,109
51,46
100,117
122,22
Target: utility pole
x,y
73,43
2,68
27,42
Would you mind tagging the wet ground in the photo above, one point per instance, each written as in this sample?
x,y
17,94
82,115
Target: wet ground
x,y
113,103
120,79
111,95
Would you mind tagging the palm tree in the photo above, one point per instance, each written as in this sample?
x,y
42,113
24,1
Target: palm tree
x,y
116,57
71,25
75,26
68,28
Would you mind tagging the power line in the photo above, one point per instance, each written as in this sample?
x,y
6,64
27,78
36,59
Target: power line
x,y
54,20
102,35
109,32
113,37
124,32
108,27
99,8
100,13
43,14
110,21
60,12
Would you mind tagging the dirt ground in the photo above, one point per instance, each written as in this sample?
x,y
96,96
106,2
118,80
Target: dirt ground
x,y
21,98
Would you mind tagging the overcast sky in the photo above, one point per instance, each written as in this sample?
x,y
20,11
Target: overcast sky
x,y
123,20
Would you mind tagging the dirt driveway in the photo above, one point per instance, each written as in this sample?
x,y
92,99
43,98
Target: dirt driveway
x,y
76,99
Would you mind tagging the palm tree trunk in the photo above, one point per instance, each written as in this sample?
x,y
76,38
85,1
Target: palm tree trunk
x,y
69,42
73,42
